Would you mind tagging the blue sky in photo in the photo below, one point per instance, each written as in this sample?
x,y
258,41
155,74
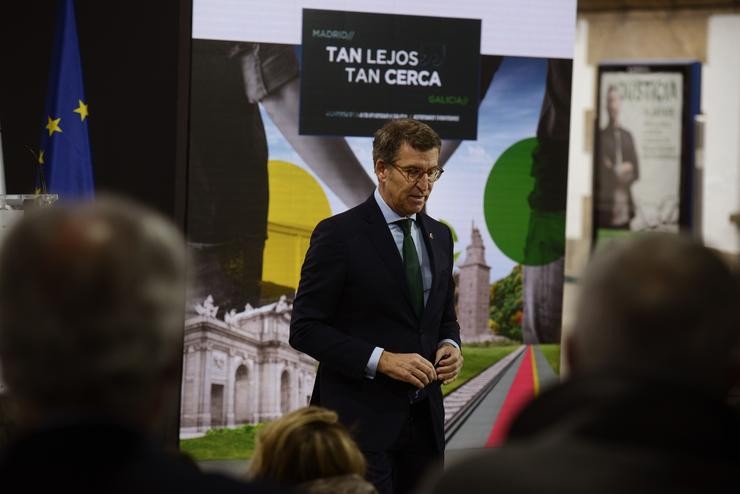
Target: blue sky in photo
x,y
508,113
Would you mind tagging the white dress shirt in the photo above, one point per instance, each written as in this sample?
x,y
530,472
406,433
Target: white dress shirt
x,y
426,268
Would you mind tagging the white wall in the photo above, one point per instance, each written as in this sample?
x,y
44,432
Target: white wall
x,y
721,105
580,158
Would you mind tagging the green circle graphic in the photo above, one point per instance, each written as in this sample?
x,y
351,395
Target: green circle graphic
x,y
524,235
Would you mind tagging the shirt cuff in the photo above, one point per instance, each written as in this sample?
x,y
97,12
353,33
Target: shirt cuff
x,y
372,365
451,342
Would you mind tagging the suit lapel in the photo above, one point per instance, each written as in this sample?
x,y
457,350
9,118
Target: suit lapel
x,y
435,255
430,244
385,246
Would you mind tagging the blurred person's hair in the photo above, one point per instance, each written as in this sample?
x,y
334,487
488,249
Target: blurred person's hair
x,y
91,308
389,138
663,304
304,445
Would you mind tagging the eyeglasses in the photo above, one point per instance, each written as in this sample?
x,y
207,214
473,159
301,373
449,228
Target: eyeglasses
x,y
414,173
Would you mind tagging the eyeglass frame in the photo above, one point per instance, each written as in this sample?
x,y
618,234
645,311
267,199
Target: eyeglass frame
x,y
404,172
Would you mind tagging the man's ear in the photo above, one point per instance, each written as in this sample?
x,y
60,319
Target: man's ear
x,y
381,171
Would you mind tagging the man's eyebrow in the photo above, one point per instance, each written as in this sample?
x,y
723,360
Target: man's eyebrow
x,y
414,165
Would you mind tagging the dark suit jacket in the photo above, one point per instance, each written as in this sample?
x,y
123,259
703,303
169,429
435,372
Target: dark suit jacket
x,y
102,456
606,179
352,297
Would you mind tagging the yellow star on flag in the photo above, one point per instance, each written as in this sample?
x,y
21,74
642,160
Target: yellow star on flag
x,y
53,125
41,157
82,110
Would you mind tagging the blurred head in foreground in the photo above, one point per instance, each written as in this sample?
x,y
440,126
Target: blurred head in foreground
x,y
91,308
307,445
663,305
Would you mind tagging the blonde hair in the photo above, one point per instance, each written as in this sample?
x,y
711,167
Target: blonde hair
x,y
305,445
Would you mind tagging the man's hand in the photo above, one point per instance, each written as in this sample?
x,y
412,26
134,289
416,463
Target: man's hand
x,y
407,367
449,362
625,172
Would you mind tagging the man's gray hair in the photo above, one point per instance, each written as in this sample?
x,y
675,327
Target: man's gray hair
x,y
91,306
389,138
660,303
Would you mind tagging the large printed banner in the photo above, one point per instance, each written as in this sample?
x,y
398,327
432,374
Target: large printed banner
x,y
360,70
284,99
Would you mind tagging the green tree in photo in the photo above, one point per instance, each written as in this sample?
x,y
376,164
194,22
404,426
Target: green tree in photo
x,y
506,305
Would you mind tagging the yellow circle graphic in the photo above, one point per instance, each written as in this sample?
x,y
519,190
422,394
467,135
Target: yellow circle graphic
x,y
297,204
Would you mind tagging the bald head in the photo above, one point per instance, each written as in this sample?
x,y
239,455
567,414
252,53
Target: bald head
x,y
91,307
661,304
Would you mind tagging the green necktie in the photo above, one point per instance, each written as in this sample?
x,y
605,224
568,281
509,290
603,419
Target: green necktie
x,y
412,267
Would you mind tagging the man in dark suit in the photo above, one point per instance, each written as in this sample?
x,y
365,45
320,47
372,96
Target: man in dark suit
x,y
375,307
617,169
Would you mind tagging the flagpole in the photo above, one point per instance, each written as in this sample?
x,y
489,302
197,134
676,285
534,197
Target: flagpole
x,y
2,164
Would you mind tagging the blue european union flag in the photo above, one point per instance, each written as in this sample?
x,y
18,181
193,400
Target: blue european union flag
x,y
64,157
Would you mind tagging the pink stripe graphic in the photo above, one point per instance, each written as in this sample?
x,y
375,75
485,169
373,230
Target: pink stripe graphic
x,y
520,393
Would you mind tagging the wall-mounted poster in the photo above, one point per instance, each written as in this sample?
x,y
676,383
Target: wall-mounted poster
x,y
644,152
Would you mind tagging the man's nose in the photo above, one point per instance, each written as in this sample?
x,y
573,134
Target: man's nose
x,y
423,183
